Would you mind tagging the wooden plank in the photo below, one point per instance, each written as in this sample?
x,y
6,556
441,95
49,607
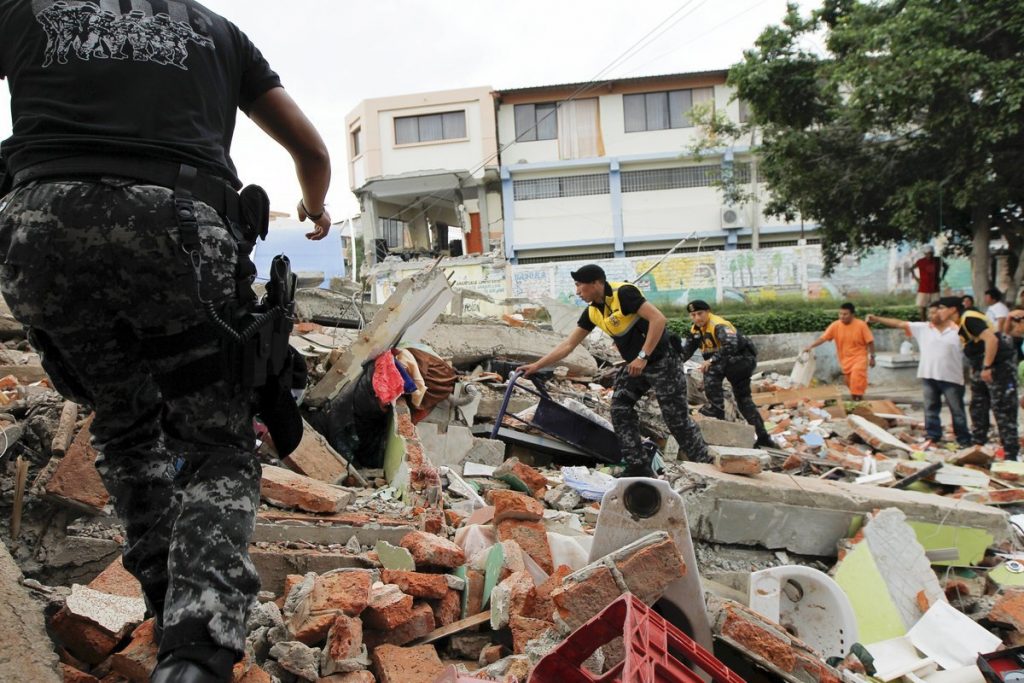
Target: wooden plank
x,y
804,393
452,629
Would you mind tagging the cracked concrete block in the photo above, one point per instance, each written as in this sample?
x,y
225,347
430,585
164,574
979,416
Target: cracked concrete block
x,y
722,433
26,651
285,488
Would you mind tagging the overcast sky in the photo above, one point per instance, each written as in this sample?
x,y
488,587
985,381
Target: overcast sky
x,y
333,53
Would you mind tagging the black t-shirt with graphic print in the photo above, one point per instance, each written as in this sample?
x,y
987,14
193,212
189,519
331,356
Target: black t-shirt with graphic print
x,y
631,343
164,82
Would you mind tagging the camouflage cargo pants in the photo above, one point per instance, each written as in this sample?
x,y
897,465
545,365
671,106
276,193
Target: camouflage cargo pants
x,y
999,396
95,271
665,375
738,371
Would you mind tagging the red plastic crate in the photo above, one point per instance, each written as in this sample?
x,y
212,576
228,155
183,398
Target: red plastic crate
x,y
653,650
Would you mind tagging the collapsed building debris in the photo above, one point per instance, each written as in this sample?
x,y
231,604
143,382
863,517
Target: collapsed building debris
x,y
401,543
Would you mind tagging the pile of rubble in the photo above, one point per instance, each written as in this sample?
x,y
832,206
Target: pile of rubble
x,y
470,537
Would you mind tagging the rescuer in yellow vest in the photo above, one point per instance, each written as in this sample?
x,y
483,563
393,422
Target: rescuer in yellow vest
x,y
638,330
727,355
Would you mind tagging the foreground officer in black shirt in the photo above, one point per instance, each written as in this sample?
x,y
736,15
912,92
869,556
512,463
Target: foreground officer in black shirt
x,y
123,230
638,330
992,360
727,355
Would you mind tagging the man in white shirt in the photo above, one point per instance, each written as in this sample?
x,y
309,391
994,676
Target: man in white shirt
x,y
995,309
940,369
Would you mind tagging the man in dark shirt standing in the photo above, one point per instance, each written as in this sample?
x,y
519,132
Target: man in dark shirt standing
x,y
122,238
992,360
638,330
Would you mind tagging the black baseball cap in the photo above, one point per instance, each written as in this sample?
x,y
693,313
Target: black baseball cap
x,y
589,273
698,305
956,302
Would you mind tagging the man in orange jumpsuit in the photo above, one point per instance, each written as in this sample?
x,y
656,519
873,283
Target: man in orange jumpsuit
x,y
855,347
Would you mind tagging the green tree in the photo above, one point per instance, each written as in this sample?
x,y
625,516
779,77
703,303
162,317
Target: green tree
x,y
906,122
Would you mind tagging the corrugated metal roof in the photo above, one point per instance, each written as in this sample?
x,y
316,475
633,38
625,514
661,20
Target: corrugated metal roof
x,y
606,81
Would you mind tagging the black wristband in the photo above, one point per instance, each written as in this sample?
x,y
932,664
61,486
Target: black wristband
x,y
310,214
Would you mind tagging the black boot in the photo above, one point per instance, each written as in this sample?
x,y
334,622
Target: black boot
x,y
642,469
195,664
765,441
174,670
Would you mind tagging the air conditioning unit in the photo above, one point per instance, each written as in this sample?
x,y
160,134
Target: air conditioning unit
x,y
732,217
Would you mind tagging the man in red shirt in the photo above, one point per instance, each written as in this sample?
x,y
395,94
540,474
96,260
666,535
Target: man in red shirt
x,y
928,271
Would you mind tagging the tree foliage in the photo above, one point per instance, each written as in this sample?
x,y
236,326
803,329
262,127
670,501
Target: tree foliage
x,y
872,113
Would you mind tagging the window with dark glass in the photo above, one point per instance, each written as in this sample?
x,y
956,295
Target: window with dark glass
x,y
536,122
662,110
449,125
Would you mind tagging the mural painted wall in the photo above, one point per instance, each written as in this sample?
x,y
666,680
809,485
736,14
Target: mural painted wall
x,y
713,275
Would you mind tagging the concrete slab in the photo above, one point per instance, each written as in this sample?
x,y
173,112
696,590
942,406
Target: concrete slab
x,y
26,651
468,345
457,445
332,534
792,527
764,492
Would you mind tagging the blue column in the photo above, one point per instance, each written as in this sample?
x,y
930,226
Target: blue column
x,y
615,189
508,203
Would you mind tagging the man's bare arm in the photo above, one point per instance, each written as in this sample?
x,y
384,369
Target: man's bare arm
x,y
277,114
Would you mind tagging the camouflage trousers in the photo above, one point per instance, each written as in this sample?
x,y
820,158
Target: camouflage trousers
x,y
738,371
665,375
95,271
999,396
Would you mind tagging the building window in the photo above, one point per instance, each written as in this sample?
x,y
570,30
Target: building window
x,y
392,231
563,186
357,142
596,256
536,122
662,110
744,111
680,178
450,125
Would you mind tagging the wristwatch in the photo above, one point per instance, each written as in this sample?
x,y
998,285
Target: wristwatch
x,y
642,355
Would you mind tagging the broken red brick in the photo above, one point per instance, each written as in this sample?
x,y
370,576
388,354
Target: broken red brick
x,y
474,593
116,580
1008,609
394,664
73,675
525,630
448,609
353,677
792,462
429,550
585,594
513,505
81,637
536,482
347,591
289,489
389,608
417,584
419,624
649,570
532,537
490,654
542,607
75,479
314,629
344,641
137,661
315,458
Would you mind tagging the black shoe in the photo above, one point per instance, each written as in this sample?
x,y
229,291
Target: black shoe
x,y
765,441
639,470
175,670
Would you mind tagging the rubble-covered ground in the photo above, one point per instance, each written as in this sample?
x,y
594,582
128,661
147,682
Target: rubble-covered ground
x,y
855,547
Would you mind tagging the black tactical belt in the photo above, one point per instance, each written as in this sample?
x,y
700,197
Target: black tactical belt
x,y
205,188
